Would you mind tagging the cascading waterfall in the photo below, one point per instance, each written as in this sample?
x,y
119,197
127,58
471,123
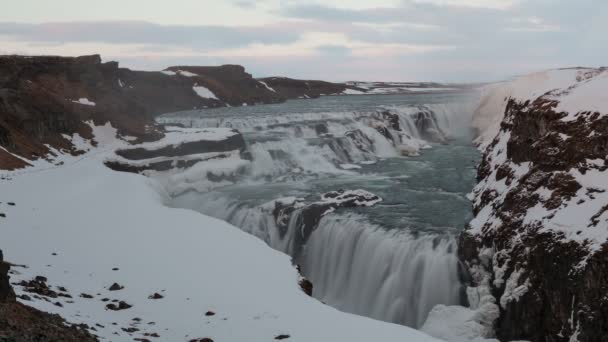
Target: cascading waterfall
x,y
391,276
356,265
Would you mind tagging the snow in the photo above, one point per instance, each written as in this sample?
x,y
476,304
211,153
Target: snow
x,y
455,324
353,92
576,90
204,92
178,135
96,219
186,73
196,177
460,324
590,95
179,72
350,166
513,291
267,86
85,101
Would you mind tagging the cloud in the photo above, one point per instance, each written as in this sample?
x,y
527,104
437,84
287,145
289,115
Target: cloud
x,y
455,40
136,32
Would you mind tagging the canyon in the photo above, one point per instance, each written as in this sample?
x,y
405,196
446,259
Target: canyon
x,y
528,263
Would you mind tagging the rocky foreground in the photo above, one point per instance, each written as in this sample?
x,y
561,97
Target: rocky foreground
x,y
538,241
19,322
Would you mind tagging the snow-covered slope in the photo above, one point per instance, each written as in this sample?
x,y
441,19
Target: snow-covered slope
x,y
85,227
541,206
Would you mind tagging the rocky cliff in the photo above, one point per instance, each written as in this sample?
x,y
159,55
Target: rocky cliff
x,y
293,89
541,206
44,99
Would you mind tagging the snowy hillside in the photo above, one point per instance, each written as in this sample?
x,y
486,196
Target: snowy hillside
x,y
179,275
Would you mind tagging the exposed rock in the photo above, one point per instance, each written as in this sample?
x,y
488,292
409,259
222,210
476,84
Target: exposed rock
x,y
6,291
549,276
155,295
116,287
230,83
38,286
306,286
293,89
308,216
122,305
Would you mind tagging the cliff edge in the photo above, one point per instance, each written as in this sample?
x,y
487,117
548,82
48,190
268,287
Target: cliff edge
x,y
541,206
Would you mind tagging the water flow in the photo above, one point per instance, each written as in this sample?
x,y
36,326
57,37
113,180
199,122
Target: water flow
x,y
391,276
392,262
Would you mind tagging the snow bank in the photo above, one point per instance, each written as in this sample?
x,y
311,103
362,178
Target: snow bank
x,y
178,135
576,89
267,86
88,227
85,101
204,92
353,92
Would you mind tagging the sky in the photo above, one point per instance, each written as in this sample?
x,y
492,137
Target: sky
x,y
336,40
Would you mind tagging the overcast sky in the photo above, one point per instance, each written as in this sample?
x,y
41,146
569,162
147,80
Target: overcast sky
x,y
439,40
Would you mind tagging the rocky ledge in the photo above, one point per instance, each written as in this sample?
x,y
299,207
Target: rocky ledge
x,y
181,148
539,236
299,219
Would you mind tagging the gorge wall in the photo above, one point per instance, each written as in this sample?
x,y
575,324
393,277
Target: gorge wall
x,y
44,98
540,230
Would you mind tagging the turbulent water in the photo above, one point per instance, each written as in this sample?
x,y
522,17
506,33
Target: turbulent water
x,y
393,261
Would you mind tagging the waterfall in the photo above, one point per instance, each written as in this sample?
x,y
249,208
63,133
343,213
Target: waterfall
x,y
385,272
355,266
387,275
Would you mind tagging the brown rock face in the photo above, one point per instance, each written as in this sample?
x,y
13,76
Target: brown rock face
x,y
564,282
292,89
40,100
231,84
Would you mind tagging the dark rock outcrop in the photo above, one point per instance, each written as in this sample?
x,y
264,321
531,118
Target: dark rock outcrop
x,y
293,89
177,156
551,284
230,83
302,219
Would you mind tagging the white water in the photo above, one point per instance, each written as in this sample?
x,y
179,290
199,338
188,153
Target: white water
x,y
387,270
390,276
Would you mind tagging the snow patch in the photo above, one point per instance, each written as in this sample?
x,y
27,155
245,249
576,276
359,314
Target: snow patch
x,y
267,86
85,101
204,92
